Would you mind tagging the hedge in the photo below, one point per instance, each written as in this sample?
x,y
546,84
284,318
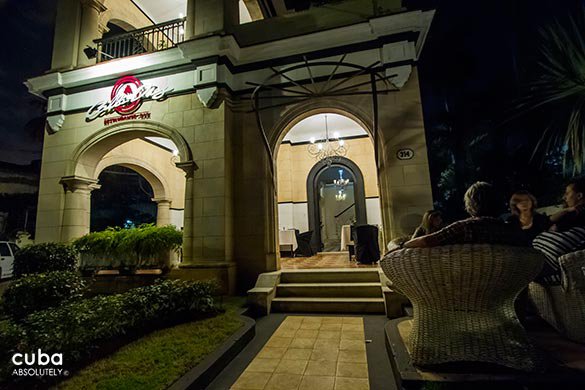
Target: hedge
x,y
143,246
78,328
47,257
40,291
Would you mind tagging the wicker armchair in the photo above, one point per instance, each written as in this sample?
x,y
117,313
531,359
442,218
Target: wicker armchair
x,y
564,306
463,301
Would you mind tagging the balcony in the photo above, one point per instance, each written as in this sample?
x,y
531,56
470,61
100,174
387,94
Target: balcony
x,y
145,40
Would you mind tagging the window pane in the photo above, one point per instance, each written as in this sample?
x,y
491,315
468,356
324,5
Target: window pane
x,y
14,248
4,251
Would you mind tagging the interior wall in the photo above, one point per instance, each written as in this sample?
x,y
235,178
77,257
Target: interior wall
x,y
294,162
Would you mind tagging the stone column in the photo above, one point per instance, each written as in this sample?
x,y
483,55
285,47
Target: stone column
x,y
163,213
76,212
189,167
90,28
207,17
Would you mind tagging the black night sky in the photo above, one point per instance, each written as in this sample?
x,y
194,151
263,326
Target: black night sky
x,y
476,59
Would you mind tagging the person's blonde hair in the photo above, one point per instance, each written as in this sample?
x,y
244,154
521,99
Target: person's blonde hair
x,y
426,220
513,209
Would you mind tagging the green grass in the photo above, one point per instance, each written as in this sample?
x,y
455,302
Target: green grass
x,y
159,359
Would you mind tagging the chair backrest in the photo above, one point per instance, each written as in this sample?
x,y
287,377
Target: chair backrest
x,y
462,277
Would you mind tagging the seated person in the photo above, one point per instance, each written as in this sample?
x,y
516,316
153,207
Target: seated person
x,y
567,234
482,204
432,221
524,215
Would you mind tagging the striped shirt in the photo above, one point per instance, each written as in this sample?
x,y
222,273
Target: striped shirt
x,y
555,244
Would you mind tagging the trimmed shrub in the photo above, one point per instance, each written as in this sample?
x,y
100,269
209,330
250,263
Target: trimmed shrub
x,y
146,246
38,292
11,339
46,257
77,328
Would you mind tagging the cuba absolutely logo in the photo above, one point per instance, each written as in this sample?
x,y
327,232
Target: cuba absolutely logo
x,y
38,364
126,98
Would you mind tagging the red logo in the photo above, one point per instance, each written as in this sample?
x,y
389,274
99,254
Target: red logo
x,y
128,86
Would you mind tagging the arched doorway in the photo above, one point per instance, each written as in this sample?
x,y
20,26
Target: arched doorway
x,y
308,200
331,205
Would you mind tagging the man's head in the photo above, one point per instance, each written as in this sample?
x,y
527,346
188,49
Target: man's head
x,y
481,200
575,192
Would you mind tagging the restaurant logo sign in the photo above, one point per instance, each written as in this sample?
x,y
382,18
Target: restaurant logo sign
x,y
126,98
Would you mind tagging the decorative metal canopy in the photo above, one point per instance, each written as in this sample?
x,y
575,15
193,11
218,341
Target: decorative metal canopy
x,y
309,80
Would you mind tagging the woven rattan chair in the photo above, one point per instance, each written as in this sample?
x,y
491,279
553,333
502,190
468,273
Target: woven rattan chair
x,y
563,306
463,302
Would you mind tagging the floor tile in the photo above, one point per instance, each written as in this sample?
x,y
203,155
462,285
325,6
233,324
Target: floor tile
x,y
326,343
352,356
284,382
328,326
323,260
262,365
297,354
287,332
327,354
312,319
276,341
332,320
252,381
353,345
323,368
352,328
353,320
329,335
351,384
349,335
271,353
310,325
307,333
317,383
302,343
296,367
352,370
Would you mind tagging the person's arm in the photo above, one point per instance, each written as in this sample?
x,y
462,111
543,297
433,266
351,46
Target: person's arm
x,y
446,235
564,213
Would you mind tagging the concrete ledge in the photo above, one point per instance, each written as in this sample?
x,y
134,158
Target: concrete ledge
x,y
223,272
200,376
261,296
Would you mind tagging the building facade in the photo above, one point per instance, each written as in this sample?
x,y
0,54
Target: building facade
x,y
200,106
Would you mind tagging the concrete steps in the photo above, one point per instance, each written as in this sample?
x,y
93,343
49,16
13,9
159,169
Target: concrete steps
x,y
295,290
329,291
328,305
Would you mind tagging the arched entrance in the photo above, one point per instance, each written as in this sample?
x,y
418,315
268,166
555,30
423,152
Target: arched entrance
x,y
308,198
138,146
325,220
125,199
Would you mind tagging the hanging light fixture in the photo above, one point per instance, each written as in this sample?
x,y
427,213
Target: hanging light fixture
x,y
341,195
328,149
341,182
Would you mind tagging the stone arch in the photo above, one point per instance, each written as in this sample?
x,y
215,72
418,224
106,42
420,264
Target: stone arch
x,y
124,25
156,179
314,107
90,152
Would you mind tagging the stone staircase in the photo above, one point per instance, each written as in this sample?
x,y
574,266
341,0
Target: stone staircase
x,y
329,291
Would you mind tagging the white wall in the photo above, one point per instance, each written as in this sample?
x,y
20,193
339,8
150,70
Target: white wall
x,y
373,211
177,218
293,216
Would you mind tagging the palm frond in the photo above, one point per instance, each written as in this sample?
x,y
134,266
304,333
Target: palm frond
x,y
559,90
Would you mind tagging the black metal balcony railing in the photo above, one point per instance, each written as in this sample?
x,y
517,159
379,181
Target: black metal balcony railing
x,y
145,40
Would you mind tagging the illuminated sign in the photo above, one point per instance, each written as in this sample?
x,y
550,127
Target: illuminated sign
x,y
126,97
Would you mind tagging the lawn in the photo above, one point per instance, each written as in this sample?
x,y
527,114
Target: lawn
x,y
159,359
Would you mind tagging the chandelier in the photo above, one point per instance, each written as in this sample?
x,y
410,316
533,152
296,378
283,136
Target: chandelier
x,y
341,182
341,195
328,149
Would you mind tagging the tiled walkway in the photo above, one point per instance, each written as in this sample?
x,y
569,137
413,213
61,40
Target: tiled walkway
x,y
321,353
322,260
